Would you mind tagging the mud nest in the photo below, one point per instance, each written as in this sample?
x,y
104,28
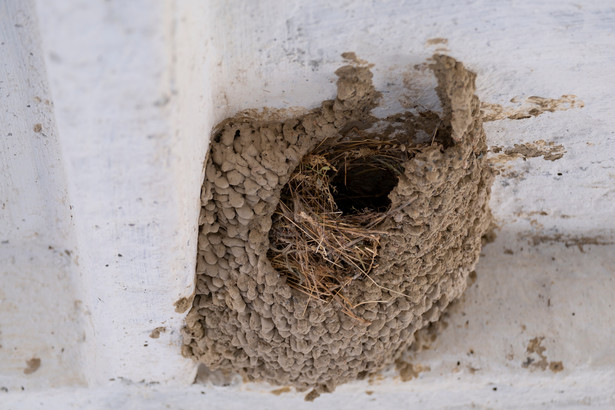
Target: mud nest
x,y
325,245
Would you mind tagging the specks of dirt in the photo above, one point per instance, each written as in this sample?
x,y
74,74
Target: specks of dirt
x,y
369,392
37,128
352,57
527,362
375,379
490,235
40,100
549,151
409,371
32,365
281,390
508,252
439,42
531,213
531,107
311,396
535,224
472,278
426,336
156,332
183,304
568,241
537,359
436,40
535,348
206,375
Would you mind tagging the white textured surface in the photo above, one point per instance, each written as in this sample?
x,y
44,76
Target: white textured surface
x,y
137,87
40,316
133,173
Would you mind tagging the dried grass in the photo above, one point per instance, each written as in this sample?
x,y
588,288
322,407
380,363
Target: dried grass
x,y
318,247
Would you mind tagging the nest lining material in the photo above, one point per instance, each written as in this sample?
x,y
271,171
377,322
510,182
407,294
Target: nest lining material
x,y
250,315
323,234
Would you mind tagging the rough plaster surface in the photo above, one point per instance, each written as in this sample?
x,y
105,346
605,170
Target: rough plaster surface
x,y
110,62
41,317
113,131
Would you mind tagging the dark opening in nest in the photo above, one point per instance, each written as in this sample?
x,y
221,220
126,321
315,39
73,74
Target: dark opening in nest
x,y
323,233
365,184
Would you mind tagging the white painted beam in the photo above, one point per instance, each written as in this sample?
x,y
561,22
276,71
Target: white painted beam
x,y
133,121
41,320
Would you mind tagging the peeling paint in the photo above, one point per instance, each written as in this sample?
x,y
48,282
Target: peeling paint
x,y
532,107
569,240
549,151
409,371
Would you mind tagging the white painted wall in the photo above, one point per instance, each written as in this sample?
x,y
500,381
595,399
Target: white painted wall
x,y
40,311
134,173
133,90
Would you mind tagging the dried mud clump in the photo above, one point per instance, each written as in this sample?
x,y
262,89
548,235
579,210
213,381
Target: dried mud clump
x,y
252,311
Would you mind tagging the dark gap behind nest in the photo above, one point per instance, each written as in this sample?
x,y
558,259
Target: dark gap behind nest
x,y
364,184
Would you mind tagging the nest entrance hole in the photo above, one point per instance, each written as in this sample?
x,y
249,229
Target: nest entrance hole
x,y
325,232
363,184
